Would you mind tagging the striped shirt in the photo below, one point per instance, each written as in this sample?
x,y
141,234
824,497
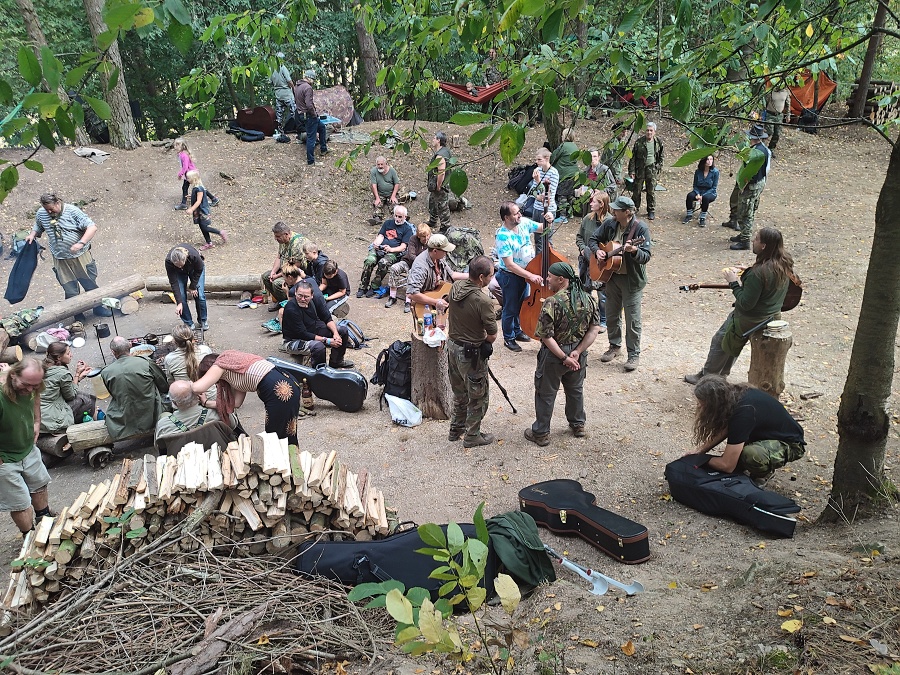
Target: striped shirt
x,y
538,193
63,231
250,380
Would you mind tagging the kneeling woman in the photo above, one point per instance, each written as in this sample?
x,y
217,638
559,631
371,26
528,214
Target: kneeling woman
x,y
61,403
235,373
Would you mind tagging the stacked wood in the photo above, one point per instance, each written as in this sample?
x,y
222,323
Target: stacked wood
x,y
266,494
873,110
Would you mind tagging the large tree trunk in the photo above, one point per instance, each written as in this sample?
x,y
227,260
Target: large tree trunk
x,y
865,75
371,64
863,418
122,132
36,35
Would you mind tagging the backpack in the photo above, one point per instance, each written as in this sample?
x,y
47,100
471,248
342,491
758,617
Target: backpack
x,y
355,333
393,370
17,241
467,241
520,177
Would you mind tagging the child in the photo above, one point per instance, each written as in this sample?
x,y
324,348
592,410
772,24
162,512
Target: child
x,y
336,288
187,164
315,261
199,209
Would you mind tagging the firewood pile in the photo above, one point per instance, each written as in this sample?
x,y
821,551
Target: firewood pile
x,y
259,493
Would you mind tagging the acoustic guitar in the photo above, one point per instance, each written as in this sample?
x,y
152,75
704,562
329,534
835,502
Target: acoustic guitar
x,y
791,300
440,293
614,260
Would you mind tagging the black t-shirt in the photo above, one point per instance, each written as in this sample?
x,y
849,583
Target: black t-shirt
x,y
339,282
759,417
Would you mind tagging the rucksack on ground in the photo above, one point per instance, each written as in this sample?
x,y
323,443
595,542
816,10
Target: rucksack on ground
x,y
355,333
393,370
17,241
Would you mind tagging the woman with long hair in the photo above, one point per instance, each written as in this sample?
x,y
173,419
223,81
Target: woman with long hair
x,y
235,373
706,184
759,293
184,362
599,211
61,403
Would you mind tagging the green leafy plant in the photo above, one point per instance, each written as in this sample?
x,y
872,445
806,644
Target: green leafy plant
x,y
424,626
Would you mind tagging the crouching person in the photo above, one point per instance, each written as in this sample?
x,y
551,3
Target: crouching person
x,y
309,329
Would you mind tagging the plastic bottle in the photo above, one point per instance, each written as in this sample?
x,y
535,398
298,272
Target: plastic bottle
x,y
428,317
306,396
87,417
101,415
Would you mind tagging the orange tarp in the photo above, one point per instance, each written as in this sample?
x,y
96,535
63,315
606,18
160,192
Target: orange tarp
x,y
802,96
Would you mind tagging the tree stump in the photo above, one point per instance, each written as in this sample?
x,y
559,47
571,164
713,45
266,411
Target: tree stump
x,y
11,355
768,352
431,380
54,444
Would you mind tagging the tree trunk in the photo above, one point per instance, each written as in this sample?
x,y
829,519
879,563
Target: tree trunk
x,y
36,35
213,284
122,132
865,75
431,380
371,64
584,77
232,94
553,127
863,419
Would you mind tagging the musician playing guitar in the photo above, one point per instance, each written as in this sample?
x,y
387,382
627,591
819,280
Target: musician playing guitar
x,y
428,270
758,296
625,288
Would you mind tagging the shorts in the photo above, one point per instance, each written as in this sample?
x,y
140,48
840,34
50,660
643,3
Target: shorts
x,y
18,480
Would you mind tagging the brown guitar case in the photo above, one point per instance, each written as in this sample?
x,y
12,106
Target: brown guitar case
x,y
261,118
564,507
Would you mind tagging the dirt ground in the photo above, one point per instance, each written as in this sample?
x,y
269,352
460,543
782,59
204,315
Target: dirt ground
x,y
717,592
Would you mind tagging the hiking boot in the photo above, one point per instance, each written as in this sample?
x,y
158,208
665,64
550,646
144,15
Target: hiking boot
x,y
742,245
542,440
181,207
610,354
736,237
521,337
760,481
579,431
480,439
455,434
341,364
730,223
693,379
273,306
406,308
702,221
371,293
390,303
360,293
651,215
632,364
512,345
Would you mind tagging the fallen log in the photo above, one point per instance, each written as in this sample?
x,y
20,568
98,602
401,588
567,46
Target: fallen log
x,y
56,445
213,284
11,355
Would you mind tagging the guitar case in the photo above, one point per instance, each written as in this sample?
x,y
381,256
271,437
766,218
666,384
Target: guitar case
x,y
261,118
347,389
564,507
731,495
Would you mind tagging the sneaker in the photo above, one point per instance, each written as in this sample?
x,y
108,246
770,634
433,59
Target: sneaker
x,y
315,163
341,364
406,308
272,325
693,379
371,293
455,434
610,354
323,151
562,220
181,207
189,325
273,306
512,345
632,363
702,221
204,326
602,327
283,139
246,304
480,439
224,235
521,337
390,303
740,246
542,440
214,201
687,218
206,247
360,293
579,431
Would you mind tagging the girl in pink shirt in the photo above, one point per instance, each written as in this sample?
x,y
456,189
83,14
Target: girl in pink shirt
x,y
187,164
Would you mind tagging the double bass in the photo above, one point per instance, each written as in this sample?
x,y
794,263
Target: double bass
x,y
540,266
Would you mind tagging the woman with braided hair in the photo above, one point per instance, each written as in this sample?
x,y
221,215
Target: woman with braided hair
x,y
567,326
61,402
184,362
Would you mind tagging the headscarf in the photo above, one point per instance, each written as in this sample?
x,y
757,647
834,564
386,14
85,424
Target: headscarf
x,y
577,294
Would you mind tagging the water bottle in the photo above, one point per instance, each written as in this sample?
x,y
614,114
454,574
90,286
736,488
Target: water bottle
x,y
87,418
101,415
428,317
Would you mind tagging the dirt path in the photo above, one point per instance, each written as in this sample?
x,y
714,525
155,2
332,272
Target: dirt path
x,y
713,588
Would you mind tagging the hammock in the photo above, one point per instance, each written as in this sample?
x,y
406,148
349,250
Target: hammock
x,y
485,94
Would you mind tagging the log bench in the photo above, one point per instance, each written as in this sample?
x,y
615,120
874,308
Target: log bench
x,y
93,438
768,353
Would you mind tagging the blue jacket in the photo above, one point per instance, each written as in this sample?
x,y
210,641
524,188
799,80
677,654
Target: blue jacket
x,y
706,186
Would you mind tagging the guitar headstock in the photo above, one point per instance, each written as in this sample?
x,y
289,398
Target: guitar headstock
x,y
689,287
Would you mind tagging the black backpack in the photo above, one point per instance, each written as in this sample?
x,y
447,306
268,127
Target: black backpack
x,y
519,178
393,370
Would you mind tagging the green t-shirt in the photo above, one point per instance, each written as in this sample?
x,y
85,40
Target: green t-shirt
x,y
16,427
384,182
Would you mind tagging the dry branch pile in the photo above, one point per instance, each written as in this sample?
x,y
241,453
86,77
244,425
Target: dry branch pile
x,y
258,492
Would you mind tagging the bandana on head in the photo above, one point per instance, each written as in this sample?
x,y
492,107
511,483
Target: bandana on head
x,y
576,290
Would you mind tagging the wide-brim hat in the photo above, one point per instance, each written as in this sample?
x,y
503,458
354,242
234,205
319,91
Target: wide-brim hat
x,y
758,132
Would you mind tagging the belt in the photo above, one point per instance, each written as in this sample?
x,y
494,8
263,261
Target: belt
x,y
475,345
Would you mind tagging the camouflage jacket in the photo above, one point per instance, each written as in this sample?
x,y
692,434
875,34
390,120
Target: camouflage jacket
x,y
560,322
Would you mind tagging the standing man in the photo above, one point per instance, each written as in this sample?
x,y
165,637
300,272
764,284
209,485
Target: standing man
x,y
567,327
744,200
308,328
385,184
69,233
758,295
136,387
614,153
644,168
438,189
23,476
515,250
472,334
290,252
625,288
429,269
777,106
303,97
186,271
386,249
284,98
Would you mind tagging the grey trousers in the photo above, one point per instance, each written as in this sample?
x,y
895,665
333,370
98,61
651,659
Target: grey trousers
x,y
548,375
618,299
718,362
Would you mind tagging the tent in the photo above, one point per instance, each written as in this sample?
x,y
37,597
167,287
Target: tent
x,y
802,96
482,95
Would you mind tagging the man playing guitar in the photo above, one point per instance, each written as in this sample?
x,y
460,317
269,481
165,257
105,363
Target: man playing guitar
x,y
428,270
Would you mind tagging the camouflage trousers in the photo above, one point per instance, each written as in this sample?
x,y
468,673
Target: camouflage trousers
x,y
469,383
548,376
743,205
374,269
645,178
760,458
439,210
276,289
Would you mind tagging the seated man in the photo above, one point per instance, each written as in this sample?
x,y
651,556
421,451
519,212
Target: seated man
x,y
385,186
290,250
136,386
760,433
308,328
386,249
428,270
188,414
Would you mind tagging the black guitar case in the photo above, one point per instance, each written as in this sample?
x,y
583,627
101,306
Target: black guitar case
x,y
564,507
731,495
347,389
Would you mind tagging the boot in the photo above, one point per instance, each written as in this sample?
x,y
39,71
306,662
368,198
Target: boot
x,y
688,216
702,222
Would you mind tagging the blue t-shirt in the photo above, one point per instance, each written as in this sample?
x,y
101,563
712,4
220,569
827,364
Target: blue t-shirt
x,y
394,234
516,244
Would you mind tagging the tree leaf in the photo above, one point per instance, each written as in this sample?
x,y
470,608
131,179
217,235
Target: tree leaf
x,y
476,597
481,135
404,635
417,595
52,67
478,553
809,30
144,17
447,588
29,66
363,591
630,20
64,123
552,26
511,16
459,181
45,135
34,166
181,36
680,99
749,169
74,76
113,79
9,178
6,92
509,593
178,11
628,648
455,536
481,530
694,156
466,117
432,535
99,105
532,7
792,625
134,534
431,623
399,607
551,101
